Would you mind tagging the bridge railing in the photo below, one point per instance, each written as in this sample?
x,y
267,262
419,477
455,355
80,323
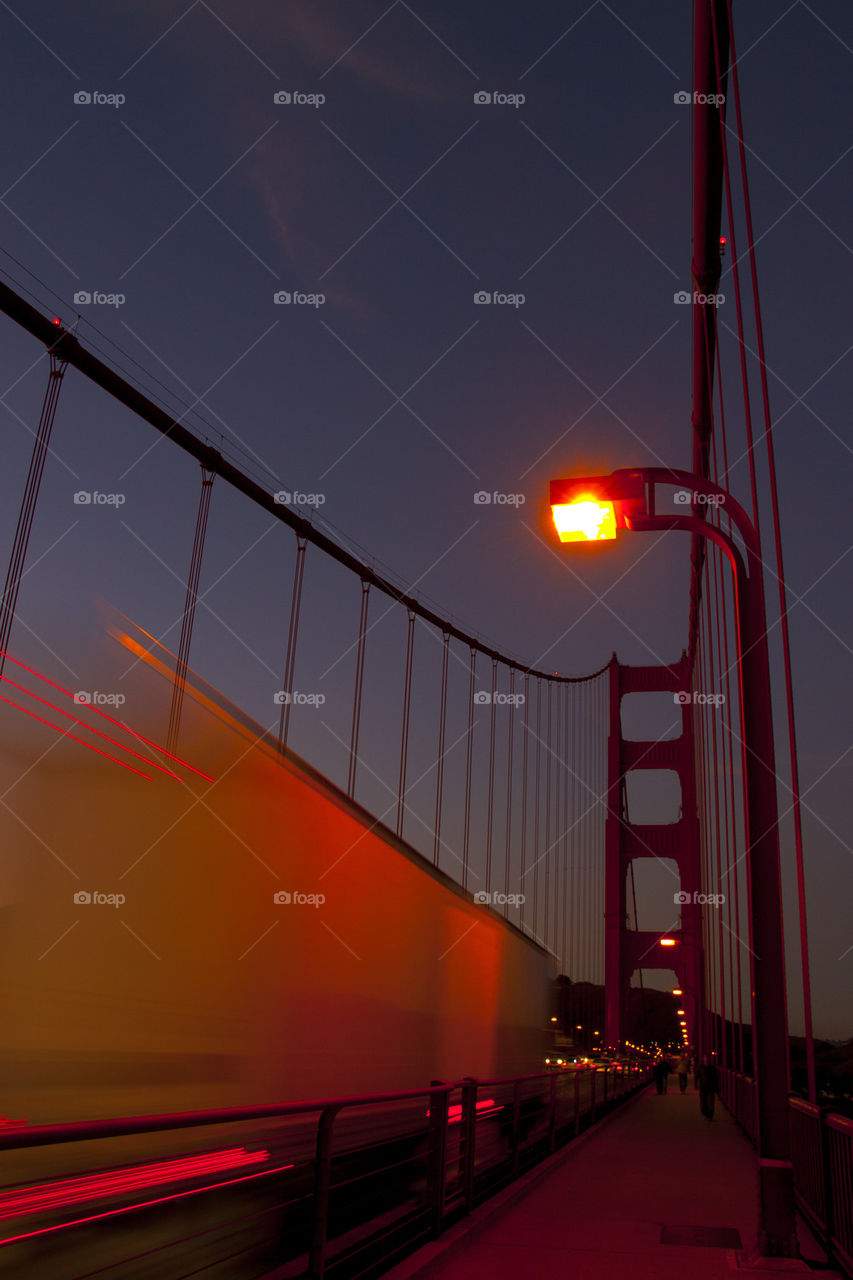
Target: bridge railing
x,y
822,1156
328,1187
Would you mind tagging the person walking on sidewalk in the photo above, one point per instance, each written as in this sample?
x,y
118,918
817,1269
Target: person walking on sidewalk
x,y
709,1087
682,1068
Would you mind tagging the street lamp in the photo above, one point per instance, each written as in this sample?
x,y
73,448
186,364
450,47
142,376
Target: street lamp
x,y
631,496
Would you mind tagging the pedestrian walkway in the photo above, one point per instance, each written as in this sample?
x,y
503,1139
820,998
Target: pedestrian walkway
x,y
655,1171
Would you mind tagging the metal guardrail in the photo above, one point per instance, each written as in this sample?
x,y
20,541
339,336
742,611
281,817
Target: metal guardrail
x,y
347,1186
822,1156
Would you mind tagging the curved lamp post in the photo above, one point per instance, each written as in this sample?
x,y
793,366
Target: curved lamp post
x,y
594,509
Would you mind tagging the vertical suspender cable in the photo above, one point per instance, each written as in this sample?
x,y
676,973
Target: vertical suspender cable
x,y
292,636
357,689
404,734
193,578
547,868
468,761
733,882
26,514
564,903
491,795
442,731
783,604
536,809
509,745
522,873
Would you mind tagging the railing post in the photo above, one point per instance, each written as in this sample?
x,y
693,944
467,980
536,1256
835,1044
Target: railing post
x,y
577,1102
604,1096
594,1073
469,1137
552,1118
826,1172
516,1126
322,1183
437,1154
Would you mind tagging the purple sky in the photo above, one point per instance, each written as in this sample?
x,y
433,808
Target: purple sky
x,y
397,199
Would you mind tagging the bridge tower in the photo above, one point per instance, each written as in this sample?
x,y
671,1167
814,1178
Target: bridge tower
x,y
629,949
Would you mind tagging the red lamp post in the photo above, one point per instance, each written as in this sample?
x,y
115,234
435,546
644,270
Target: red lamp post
x,y
594,509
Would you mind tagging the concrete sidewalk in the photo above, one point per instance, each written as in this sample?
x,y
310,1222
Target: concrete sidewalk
x,y
601,1211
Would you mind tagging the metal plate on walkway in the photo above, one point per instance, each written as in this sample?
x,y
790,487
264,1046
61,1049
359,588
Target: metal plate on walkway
x,y
703,1237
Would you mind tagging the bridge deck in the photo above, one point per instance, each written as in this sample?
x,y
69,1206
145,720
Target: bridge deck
x,y
602,1209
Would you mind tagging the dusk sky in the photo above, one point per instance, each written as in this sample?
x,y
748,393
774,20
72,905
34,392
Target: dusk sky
x,y
383,197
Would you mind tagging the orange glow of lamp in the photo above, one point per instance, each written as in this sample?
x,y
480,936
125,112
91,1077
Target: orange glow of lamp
x,y
593,508
584,520
668,942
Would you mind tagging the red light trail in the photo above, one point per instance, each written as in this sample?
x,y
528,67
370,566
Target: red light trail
x,y
140,737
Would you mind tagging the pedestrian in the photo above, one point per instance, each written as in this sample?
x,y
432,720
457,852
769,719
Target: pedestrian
x,y
682,1068
667,1068
709,1087
659,1073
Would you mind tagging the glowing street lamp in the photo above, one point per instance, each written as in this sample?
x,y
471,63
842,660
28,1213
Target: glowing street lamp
x,y
668,942
632,494
593,509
